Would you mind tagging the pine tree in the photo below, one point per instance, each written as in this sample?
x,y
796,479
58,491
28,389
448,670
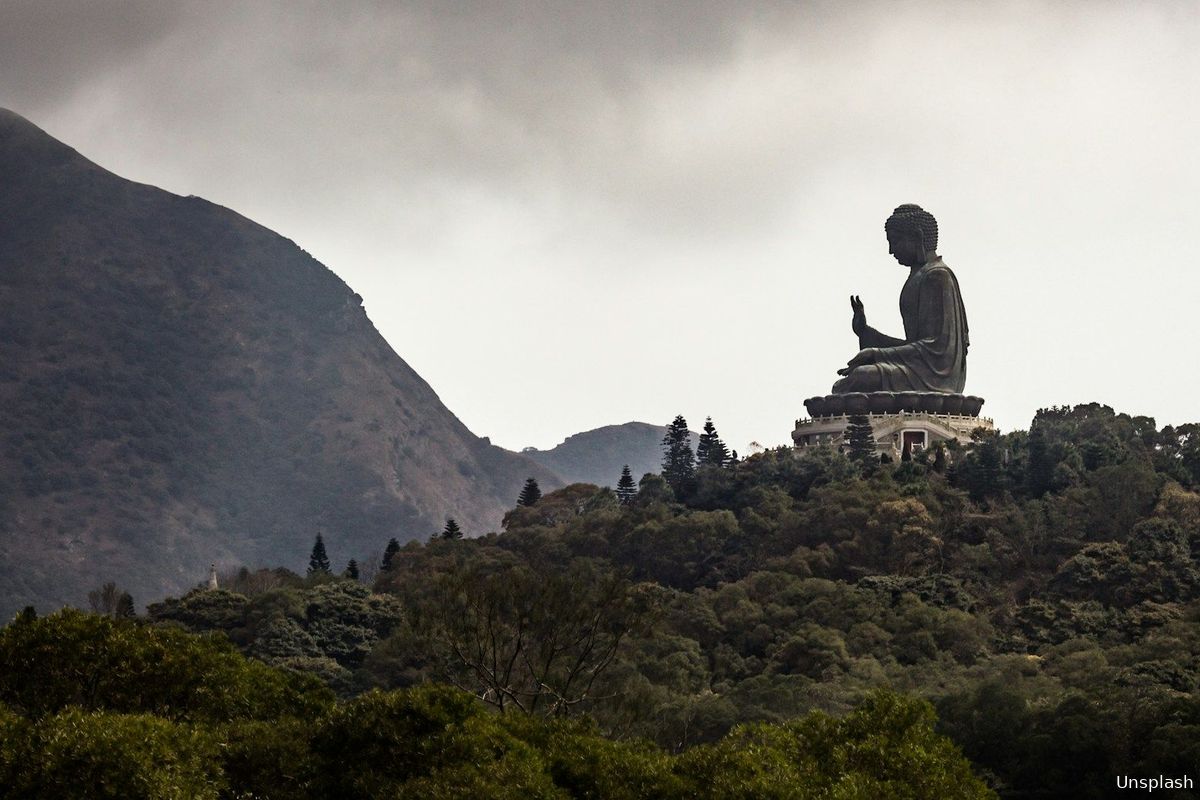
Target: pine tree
x,y
352,570
318,561
679,462
530,494
861,440
1040,473
125,609
704,442
710,450
452,531
626,488
939,458
389,553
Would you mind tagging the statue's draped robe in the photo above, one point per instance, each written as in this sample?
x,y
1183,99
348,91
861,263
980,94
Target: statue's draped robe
x,y
932,357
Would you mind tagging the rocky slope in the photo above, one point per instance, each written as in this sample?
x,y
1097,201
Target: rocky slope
x,y
180,386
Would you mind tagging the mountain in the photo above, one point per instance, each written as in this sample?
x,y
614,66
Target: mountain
x,y
181,386
596,456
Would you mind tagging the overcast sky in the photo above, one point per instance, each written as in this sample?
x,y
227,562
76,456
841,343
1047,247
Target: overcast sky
x,y
566,215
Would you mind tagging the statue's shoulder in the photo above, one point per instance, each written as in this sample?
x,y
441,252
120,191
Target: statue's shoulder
x,y
939,271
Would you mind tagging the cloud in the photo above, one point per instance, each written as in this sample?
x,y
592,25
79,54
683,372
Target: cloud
x,y
581,174
50,48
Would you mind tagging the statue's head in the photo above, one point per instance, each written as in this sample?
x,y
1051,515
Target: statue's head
x,y
912,235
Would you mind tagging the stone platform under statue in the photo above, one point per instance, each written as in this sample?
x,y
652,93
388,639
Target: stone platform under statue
x,y
893,403
900,421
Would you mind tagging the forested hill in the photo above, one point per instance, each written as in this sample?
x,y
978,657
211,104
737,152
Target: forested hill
x,y
180,386
1042,590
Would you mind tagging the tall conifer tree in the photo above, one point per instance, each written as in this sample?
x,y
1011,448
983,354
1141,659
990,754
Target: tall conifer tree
x,y
626,488
452,531
710,450
1040,473
125,608
389,553
939,458
861,440
530,493
318,561
679,462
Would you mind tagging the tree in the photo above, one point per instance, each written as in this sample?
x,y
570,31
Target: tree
x,y
679,462
100,663
389,553
318,561
626,488
106,600
861,440
710,450
452,531
531,640
981,473
125,608
1040,473
352,570
530,494
939,458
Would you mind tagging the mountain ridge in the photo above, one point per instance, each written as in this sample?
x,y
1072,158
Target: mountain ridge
x,y
180,385
597,455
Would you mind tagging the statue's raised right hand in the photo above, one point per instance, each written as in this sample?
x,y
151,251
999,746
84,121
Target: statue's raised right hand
x,y
859,323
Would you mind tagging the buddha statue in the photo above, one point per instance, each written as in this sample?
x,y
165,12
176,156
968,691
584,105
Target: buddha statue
x,y
932,355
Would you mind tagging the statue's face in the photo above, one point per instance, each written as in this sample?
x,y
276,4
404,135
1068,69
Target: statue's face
x,y
906,247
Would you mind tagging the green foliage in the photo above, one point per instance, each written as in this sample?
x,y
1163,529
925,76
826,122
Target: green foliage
x,y
885,748
425,742
96,663
653,489
1043,589
202,609
431,741
77,753
267,760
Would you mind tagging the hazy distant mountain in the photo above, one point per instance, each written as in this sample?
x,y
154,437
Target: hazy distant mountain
x,y
597,456
180,386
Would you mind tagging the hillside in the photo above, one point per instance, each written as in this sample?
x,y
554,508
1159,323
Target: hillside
x,y
597,456
1041,590
180,386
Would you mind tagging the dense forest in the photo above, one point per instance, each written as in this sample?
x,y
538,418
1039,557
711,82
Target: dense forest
x,y
816,625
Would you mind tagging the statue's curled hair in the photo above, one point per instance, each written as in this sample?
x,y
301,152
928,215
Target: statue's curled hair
x,y
912,218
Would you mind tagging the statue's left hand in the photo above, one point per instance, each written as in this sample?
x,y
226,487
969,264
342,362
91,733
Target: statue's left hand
x,y
868,355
